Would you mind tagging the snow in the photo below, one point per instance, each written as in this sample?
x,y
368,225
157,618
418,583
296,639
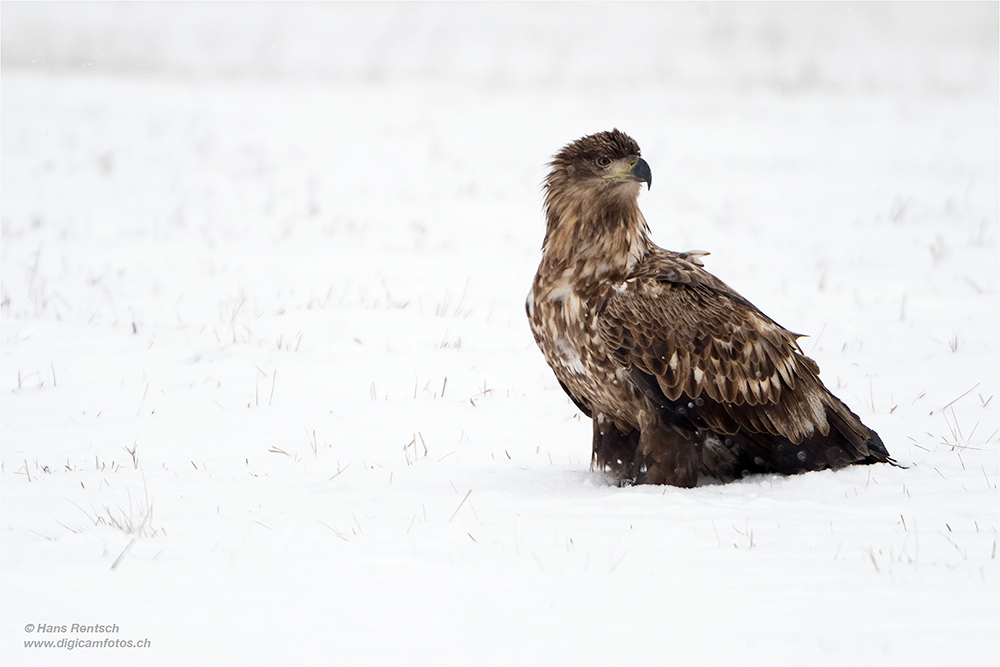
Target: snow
x,y
269,395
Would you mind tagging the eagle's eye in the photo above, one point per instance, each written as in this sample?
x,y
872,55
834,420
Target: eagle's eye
x,y
603,161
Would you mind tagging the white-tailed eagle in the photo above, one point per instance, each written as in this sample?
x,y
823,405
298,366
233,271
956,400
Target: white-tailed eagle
x,y
681,375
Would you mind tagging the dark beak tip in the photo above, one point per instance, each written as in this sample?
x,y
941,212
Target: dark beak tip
x,y
641,171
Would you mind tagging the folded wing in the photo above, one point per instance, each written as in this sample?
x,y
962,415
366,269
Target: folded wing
x,y
690,341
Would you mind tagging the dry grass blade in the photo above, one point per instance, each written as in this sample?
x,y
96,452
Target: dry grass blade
x,y
957,399
460,505
618,562
339,471
127,548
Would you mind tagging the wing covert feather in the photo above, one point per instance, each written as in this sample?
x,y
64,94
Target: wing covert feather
x,y
699,339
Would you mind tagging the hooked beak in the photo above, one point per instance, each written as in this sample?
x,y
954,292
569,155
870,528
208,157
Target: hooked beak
x,y
640,172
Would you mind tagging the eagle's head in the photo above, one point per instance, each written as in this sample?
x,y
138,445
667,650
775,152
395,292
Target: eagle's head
x,y
592,214
600,161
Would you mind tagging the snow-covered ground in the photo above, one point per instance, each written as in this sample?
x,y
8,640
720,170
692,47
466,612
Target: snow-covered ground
x,y
268,391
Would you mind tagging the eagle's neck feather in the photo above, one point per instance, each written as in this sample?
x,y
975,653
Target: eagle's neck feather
x,y
593,234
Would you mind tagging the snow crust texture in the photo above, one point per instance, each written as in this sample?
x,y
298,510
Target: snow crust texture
x,y
269,394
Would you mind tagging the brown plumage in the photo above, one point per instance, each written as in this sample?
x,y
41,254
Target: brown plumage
x,y
681,375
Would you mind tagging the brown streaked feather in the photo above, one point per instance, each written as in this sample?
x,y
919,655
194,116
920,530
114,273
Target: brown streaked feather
x,y
696,335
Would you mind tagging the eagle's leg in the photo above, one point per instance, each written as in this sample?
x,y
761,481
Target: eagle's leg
x,y
615,450
673,456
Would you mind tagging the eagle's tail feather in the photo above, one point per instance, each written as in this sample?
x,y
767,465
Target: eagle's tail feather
x,y
879,453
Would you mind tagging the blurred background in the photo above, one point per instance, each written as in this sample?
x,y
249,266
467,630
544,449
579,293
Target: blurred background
x,y
601,47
